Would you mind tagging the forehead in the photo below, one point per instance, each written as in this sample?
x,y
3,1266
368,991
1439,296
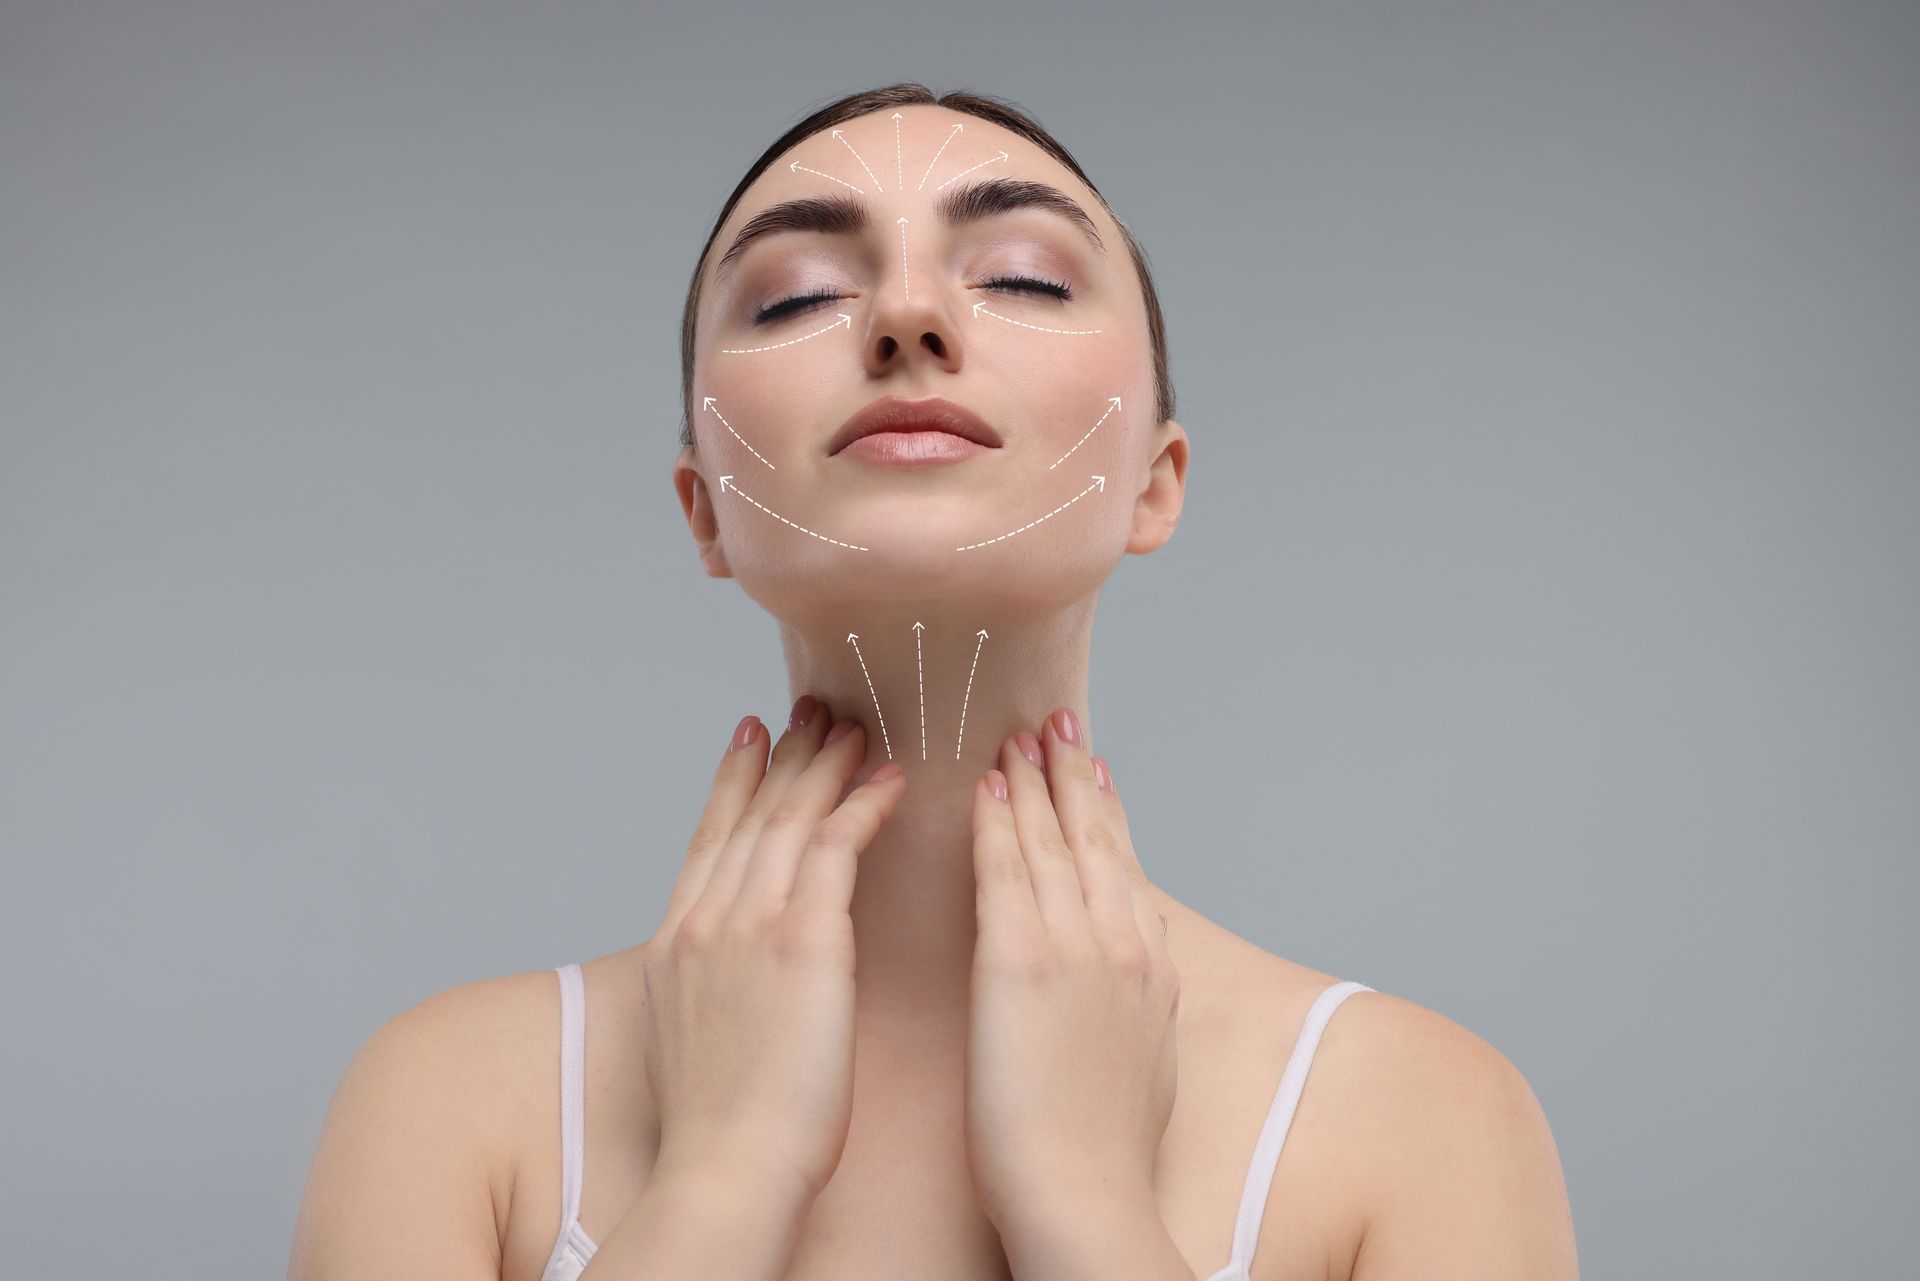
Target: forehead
x,y
903,160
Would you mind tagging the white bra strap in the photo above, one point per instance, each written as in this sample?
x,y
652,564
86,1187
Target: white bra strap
x,y
573,1045
1273,1135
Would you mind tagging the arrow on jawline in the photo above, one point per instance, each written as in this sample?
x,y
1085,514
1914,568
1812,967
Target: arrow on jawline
x,y
1099,483
777,516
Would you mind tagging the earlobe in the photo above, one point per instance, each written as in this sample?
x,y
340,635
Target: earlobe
x,y
1157,511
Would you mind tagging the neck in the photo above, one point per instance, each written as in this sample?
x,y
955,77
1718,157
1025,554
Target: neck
x,y
938,699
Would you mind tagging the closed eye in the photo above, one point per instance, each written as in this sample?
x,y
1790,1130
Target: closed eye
x,y
1032,284
790,306
805,302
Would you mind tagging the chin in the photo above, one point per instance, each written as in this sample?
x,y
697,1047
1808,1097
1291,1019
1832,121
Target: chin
x,y
825,592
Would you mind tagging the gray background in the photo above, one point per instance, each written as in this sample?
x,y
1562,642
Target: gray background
x,y
1538,644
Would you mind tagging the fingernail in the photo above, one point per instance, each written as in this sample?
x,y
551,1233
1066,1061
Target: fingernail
x,y
997,784
1030,748
1101,776
885,772
1067,727
743,732
838,731
802,711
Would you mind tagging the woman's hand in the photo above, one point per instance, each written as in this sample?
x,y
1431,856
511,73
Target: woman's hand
x,y
1070,1051
749,1011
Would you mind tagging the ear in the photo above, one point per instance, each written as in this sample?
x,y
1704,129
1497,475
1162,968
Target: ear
x,y
697,501
1157,510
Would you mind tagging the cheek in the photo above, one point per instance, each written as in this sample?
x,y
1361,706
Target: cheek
x,y
778,405
1093,400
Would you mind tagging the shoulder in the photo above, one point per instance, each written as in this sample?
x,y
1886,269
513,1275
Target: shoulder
x,y
1421,1135
1456,1169
470,1043
420,1134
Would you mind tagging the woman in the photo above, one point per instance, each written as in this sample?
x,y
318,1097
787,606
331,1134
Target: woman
x,y
928,410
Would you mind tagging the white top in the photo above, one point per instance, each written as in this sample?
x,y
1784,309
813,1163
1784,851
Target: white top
x,y
573,1247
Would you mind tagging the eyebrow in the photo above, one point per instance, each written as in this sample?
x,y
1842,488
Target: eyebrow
x,y
843,215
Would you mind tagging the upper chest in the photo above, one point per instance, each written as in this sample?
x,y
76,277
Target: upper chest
x,y
901,1200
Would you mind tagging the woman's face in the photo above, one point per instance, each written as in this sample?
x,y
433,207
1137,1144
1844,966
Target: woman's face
x,y
1009,305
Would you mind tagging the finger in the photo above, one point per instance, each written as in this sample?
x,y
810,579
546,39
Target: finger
x,y
734,781
807,729
1102,865
1002,888
1117,816
1147,914
767,882
1050,869
825,877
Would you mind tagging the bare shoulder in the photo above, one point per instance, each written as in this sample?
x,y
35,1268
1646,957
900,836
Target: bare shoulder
x,y
1455,1169
1422,1147
415,1160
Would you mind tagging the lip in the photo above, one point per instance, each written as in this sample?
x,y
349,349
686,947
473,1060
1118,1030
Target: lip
x,y
897,416
912,448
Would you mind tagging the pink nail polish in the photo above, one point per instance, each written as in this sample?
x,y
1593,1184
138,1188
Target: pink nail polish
x,y
1101,776
1067,726
743,732
1030,748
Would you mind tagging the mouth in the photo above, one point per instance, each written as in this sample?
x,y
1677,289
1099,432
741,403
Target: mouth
x,y
899,417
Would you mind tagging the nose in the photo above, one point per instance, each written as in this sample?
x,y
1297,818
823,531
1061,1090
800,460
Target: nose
x,y
911,320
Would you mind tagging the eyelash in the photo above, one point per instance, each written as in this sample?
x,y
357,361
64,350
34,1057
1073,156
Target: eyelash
x,y
1028,284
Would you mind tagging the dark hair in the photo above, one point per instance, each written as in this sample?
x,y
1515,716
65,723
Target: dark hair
x,y
987,107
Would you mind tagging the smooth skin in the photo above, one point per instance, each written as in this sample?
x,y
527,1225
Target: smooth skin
x,y
1071,1063
750,1011
1419,1149
750,978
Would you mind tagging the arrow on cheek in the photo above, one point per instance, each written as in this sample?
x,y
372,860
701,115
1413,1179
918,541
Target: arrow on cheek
x,y
980,307
742,439
844,319
1113,404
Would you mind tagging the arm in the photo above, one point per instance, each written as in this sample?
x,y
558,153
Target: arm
x,y
402,1182
1090,1233
1470,1179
